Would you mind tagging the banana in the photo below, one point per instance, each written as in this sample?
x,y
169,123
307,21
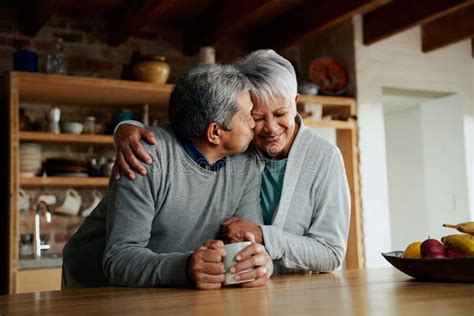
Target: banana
x,y
467,227
461,242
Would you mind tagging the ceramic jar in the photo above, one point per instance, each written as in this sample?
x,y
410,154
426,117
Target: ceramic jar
x,y
152,69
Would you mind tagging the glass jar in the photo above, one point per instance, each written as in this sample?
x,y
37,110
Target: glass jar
x,y
89,125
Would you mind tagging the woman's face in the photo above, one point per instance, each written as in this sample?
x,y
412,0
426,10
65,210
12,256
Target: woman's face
x,y
275,126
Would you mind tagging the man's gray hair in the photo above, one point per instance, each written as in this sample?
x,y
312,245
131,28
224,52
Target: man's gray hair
x,y
206,94
271,75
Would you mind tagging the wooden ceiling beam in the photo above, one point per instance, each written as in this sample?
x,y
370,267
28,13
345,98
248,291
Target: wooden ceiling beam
x,y
220,20
472,46
401,15
134,16
35,14
307,20
448,29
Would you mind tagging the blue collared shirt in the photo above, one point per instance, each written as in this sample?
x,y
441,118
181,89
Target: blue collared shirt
x,y
197,155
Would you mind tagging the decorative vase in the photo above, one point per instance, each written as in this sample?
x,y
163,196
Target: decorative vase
x,y
152,69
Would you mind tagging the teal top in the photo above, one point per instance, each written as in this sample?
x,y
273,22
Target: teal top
x,y
272,184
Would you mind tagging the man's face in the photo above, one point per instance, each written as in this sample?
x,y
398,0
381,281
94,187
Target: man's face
x,y
237,140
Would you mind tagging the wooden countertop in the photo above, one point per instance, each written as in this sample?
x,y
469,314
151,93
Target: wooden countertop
x,y
352,292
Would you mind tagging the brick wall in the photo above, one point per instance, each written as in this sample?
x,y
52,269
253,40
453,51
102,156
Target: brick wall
x,y
85,46
335,42
88,54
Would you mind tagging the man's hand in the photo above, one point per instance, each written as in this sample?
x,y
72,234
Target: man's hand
x,y
205,268
129,150
254,256
233,230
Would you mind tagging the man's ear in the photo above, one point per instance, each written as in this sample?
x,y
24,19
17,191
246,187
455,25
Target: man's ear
x,y
213,134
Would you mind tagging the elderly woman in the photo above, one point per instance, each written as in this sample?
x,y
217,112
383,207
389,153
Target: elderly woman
x,y
304,193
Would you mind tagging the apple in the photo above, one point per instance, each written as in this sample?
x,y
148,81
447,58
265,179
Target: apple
x,y
433,255
454,253
431,246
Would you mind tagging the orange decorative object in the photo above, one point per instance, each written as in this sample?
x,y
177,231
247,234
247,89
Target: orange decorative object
x,y
330,75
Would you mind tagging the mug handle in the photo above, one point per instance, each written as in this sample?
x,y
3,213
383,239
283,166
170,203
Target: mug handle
x,y
96,194
72,193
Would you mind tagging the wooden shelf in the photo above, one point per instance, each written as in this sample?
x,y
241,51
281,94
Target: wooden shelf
x,y
85,139
64,182
350,124
340,104
58,89
326,100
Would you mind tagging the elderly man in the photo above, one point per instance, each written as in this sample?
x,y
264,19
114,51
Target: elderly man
x,y
160,229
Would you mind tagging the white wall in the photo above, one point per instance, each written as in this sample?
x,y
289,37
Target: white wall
x,y
398,62
444,162
406,179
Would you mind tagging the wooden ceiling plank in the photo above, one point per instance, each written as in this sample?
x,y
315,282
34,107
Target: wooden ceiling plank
x,y
219,21
33,17
307,20
448,29
401,15
136,15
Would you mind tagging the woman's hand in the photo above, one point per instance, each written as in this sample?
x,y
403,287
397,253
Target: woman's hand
x,y
254,256
233,230
129,150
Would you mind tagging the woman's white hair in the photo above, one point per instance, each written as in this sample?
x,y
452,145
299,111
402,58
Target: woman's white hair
x,y
271,75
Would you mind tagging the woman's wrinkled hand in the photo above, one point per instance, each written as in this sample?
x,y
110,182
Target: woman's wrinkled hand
x,y
256,258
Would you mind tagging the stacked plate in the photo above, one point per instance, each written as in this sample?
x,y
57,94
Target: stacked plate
x,y
66,167
30,159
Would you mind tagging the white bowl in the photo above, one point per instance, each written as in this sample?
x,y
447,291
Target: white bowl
x,y
72,127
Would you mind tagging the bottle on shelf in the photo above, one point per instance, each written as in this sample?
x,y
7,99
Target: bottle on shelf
x,y
56,60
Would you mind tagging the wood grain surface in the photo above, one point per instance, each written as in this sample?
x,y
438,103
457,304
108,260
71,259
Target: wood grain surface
x,y
351,292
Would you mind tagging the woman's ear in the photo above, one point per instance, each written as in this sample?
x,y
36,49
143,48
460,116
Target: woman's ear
x,y
213,134
296,104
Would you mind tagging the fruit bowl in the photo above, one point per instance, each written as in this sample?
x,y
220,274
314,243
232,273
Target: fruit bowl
x,y
440,270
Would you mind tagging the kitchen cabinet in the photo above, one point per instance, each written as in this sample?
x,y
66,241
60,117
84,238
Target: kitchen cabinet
x,y
86,94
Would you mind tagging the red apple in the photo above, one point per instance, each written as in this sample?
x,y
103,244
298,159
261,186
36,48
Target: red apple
x,y
433,255
431,246
454,253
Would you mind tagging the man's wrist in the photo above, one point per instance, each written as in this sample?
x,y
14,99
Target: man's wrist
x,y
188,276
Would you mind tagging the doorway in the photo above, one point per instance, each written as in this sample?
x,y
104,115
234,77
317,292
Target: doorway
x,y
426,164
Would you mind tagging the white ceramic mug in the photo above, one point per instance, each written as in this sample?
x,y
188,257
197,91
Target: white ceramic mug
x,y
71,204
97,198
229,260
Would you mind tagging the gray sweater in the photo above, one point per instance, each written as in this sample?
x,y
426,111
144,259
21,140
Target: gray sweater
x,y
310,227
144,231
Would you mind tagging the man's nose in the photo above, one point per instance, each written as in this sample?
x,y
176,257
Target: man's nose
x,y
252,123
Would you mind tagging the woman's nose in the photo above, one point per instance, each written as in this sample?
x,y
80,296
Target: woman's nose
x,y
270,126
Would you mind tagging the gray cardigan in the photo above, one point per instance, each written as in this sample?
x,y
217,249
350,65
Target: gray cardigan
x,y
310,227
